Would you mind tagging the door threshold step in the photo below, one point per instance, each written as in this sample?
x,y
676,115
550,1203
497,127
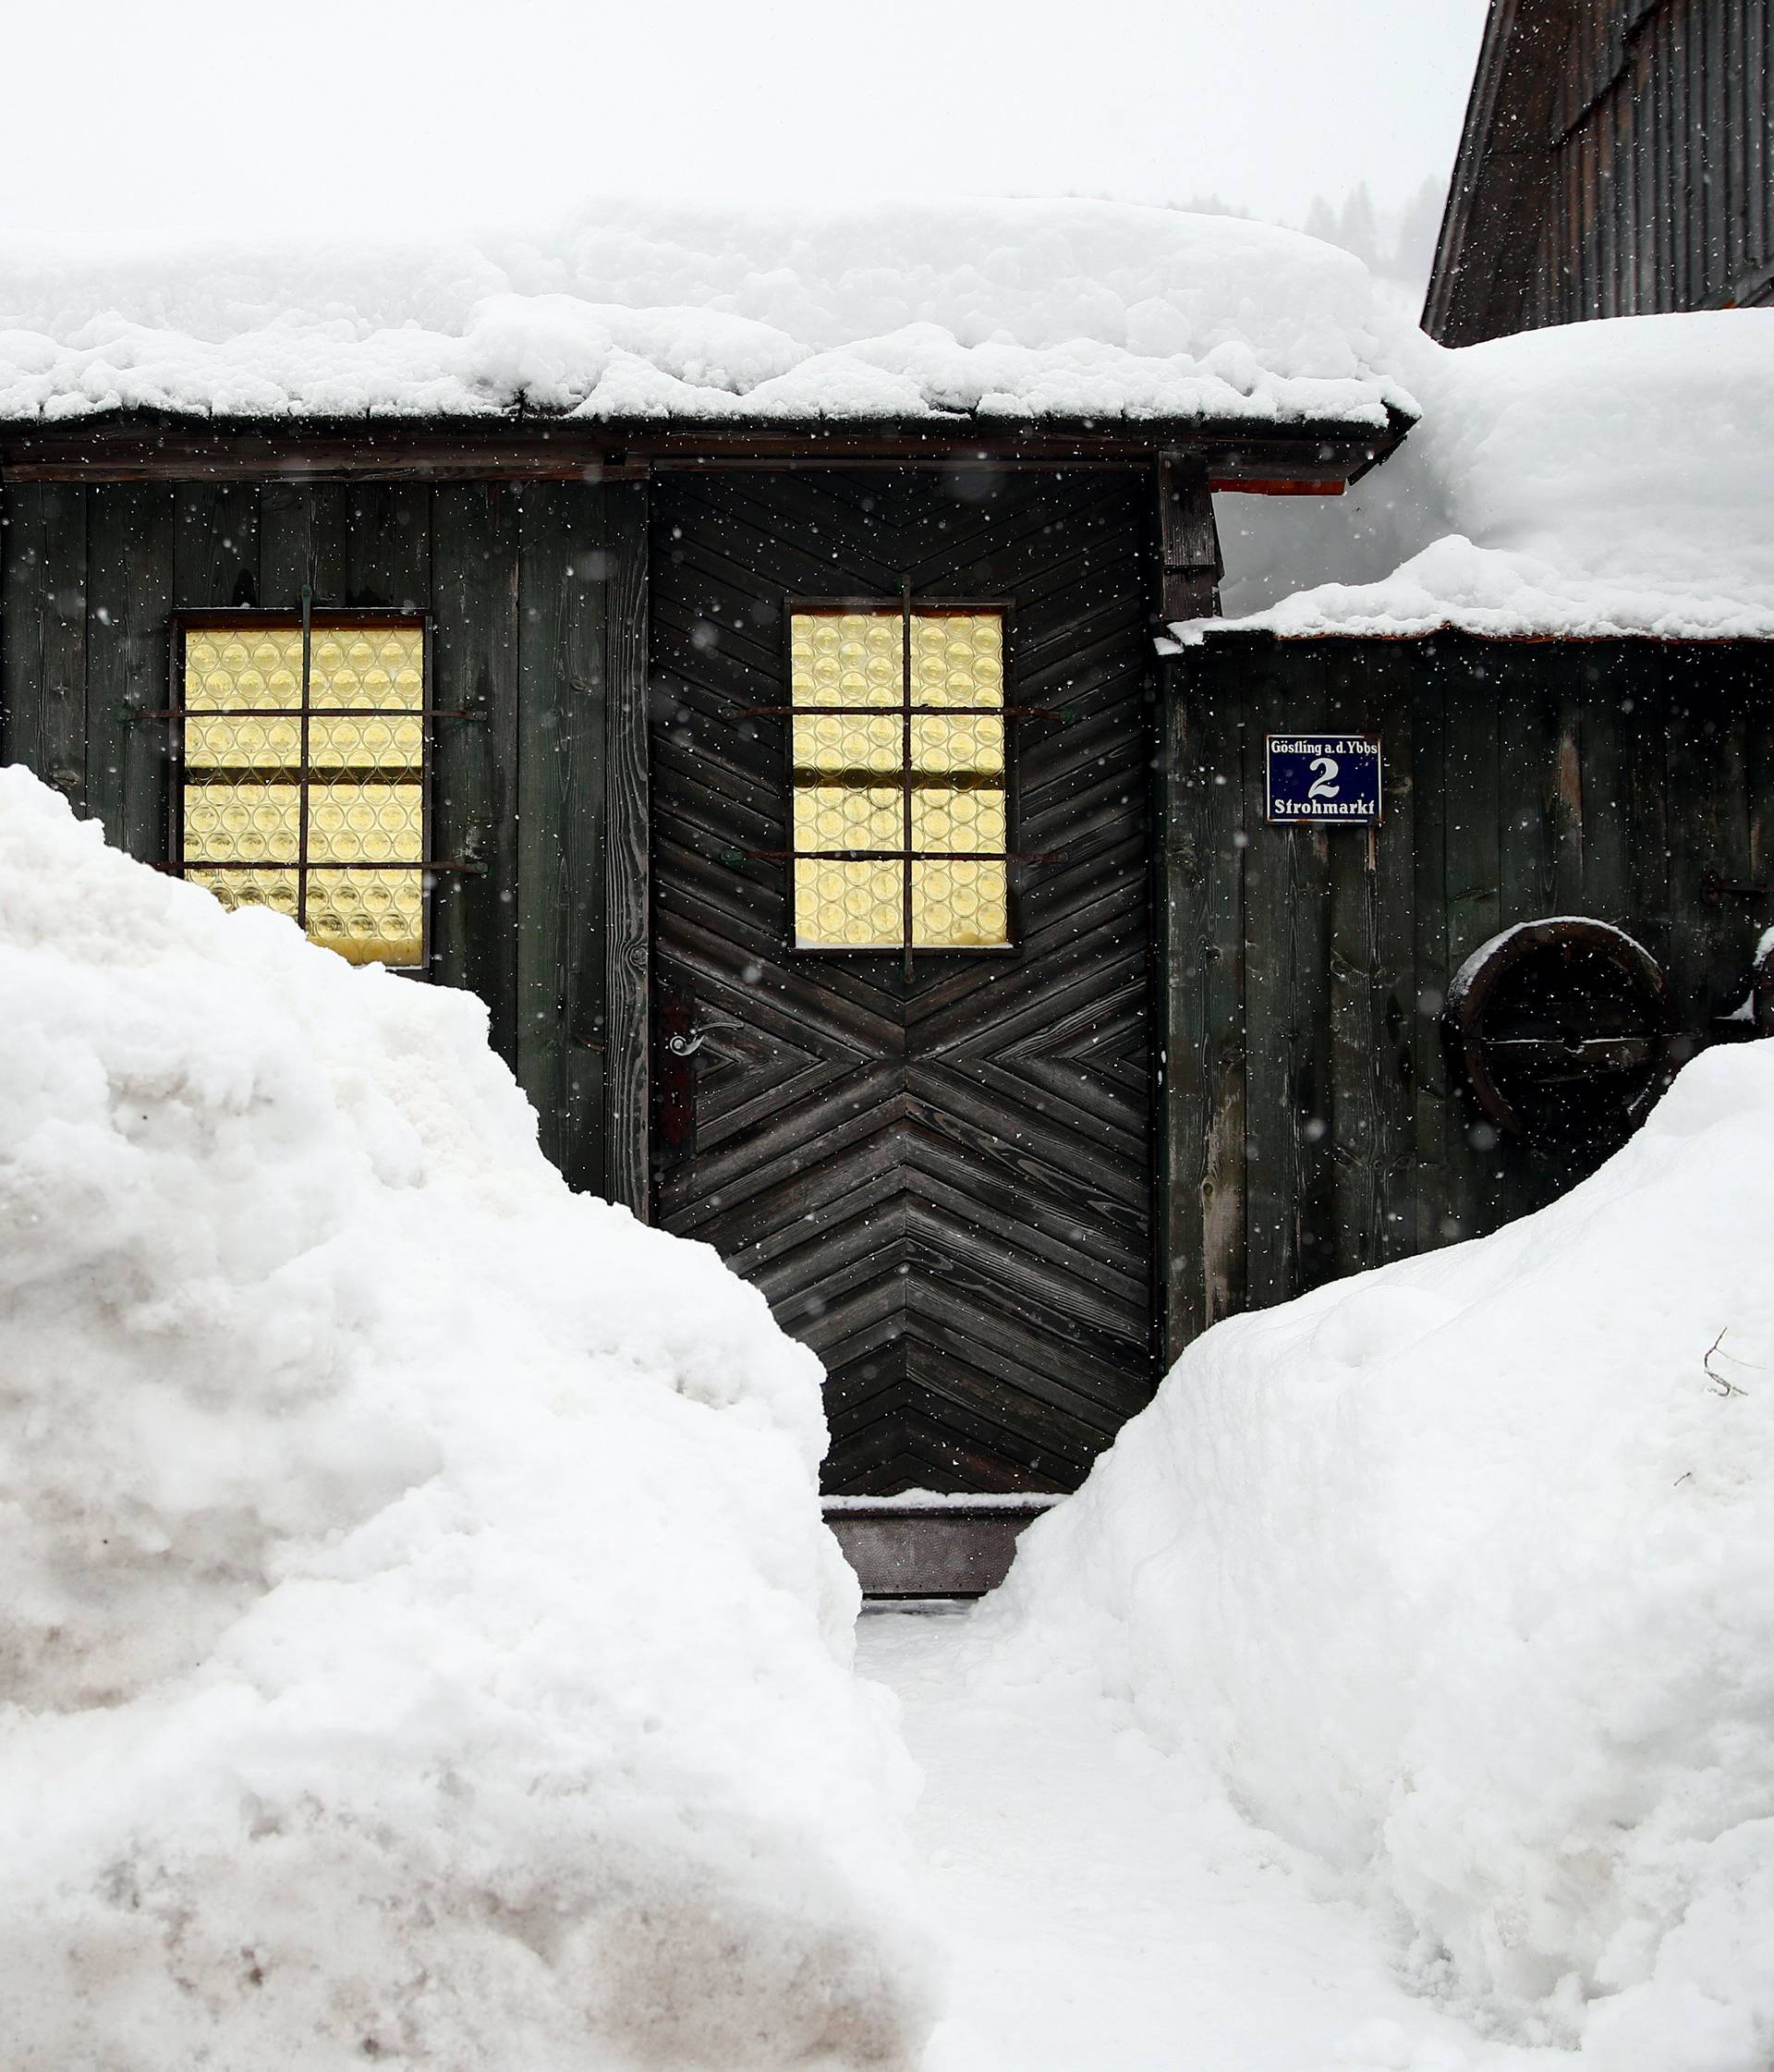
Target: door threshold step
x,y
926,1545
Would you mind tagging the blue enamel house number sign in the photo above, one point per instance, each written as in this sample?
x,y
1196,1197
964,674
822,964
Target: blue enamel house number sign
x,y
1324,780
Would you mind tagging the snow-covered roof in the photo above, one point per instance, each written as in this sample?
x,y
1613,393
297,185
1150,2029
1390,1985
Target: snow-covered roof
x,y
1005,309
1613,478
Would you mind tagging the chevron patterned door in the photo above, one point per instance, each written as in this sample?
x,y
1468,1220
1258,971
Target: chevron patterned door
x,y
942,1182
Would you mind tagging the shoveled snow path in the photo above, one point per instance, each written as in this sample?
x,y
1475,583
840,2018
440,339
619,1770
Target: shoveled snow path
x,y
1106,1909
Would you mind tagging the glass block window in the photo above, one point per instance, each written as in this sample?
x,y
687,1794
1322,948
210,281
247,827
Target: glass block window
x,y
900,829
305,777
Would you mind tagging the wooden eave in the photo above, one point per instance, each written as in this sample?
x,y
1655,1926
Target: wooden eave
x,y
1496,198
1317,459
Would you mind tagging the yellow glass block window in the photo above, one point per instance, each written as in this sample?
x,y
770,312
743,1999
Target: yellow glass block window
x,y
900,824
305,777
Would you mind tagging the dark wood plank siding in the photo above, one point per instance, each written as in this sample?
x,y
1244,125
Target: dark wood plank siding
x,y
518,582
477,605
1204,1058
1624,145
44,600
1307,969
1664,127
1314,1125
627,938
129,567
561,821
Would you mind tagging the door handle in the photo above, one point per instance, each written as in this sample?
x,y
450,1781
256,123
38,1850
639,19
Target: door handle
x,y
692,1040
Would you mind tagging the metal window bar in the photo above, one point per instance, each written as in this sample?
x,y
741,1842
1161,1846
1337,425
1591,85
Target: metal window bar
x,y
906,917
302,782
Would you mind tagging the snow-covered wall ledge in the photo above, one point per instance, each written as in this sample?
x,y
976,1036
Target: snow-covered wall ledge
x,y
1609,479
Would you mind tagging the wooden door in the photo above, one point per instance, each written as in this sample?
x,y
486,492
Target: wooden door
x,y
943,1181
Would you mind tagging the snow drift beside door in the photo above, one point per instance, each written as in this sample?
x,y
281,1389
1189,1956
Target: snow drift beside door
x,y
1462,1574
418,1635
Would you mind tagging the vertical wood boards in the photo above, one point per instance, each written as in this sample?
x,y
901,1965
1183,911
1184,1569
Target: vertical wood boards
x,y
1287,921
1323,966
1509,183
1188,542
1645,170
130,570
475,606
1602,720
1712,142
304,543
1757,18
1760,776
1733,118
1540,866
388,544
1630,781
215,544
1473,893
627,920
44,600
1372,988
1630,150
561,815
1434,1124
1713,718
90,578
1202,952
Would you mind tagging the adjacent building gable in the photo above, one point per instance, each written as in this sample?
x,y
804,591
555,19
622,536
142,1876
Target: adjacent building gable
x,y
1615,162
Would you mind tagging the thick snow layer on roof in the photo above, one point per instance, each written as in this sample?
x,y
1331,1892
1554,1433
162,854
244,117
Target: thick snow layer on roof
x,y
1005,309
1461,1573
418,1640
1606,478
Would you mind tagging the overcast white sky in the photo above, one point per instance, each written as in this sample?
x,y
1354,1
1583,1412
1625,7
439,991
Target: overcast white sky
x,y
130,115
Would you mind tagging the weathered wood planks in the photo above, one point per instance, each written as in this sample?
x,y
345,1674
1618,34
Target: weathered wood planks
x,y
477,605
1632,781
1615,162
561,817
517,580
627,919
1312,1126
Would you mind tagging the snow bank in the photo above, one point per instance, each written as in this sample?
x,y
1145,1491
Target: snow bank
x,y
417,1638
1461,1573
636,312
1601,479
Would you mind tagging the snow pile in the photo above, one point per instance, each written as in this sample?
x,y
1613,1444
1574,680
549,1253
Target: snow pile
x,y
1602,479
633,312
1461,1573
417,1638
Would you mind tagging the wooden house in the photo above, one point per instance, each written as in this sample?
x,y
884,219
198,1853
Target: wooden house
x,y
1616,160
791,772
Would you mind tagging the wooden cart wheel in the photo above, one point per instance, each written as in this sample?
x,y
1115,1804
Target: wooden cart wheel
x,y
1564,1028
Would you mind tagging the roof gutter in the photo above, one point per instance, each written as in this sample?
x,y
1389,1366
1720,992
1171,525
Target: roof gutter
x,y
1316,458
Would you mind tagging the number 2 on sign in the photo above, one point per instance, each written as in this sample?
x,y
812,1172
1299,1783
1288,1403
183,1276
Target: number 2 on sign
x,y
1324,781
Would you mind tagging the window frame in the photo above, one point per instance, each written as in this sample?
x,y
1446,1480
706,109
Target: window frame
x,y
315,617
901,607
